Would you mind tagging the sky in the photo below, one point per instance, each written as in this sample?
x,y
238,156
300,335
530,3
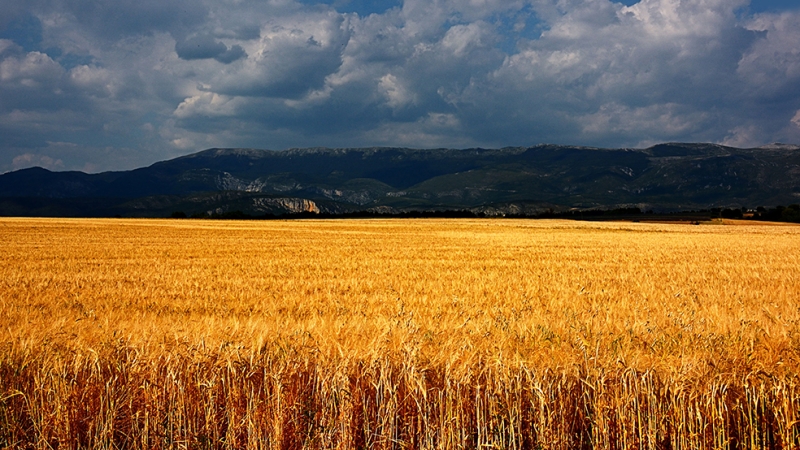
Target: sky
x,y
97,85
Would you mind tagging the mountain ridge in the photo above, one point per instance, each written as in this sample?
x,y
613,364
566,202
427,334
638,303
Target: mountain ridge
x,y
668,176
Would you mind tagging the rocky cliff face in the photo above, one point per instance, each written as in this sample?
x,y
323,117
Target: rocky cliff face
x,y
285,205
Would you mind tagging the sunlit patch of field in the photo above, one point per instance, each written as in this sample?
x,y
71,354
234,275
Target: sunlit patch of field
x,y
398,334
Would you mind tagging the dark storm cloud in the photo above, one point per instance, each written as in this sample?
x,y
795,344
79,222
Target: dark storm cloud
x,y
107,84
232,54
206,47
119,18
200,47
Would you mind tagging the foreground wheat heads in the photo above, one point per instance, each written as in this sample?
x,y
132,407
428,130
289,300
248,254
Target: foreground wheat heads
x,y
390,334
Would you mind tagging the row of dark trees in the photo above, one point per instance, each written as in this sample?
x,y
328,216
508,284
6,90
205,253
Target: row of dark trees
x,y
789,213
454,214
446,214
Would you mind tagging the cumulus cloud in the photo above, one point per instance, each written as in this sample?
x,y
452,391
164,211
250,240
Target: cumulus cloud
x,y
32,70
33,160
146,80
465,39
771,66
291,57
669,120
397,95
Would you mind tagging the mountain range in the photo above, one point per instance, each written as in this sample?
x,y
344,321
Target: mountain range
x,y
518,180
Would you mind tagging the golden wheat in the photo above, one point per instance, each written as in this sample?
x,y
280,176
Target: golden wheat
x,y
398,334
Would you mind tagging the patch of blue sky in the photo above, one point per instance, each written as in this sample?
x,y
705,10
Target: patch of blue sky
x,y
523,26
70,60
361,7
757,6
25,31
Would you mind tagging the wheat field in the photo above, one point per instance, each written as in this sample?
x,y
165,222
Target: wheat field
x,y
395,334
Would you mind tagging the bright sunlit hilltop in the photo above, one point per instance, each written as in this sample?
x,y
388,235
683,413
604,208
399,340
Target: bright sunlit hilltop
x,y
398,334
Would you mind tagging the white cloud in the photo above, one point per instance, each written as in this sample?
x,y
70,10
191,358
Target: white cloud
x,y
208,104
397,95
675,19
293,56
7,46
666,120
34,70
743,136
96,81
31,160
464,39
771,66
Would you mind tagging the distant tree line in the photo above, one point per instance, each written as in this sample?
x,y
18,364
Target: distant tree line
x,y
233,215
789,213
414,214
